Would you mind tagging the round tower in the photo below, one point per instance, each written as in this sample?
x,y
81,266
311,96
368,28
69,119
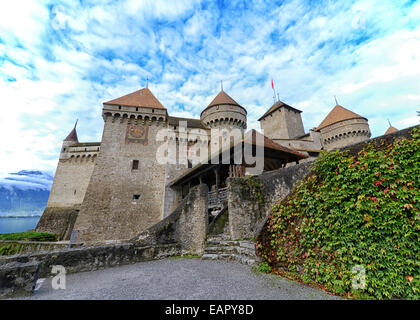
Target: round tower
x,y
342,127
224,113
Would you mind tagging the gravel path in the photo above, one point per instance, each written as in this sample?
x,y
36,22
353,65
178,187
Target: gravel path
x,y
187,279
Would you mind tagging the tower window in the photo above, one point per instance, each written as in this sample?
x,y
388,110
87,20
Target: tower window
x,y
135,164
119,107
137,109
136,196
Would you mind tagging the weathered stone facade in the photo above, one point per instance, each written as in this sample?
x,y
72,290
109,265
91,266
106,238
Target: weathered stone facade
x,y
19,273
250,199
187,225
282,122
110,209
74,170
344,133
115,189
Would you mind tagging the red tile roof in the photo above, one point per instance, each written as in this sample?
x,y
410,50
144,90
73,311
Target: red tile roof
x,y
72,136
337,114
270,144
276,106
223,98
140,98
391,129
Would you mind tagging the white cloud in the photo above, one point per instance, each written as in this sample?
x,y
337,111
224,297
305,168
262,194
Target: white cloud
x,y
67,58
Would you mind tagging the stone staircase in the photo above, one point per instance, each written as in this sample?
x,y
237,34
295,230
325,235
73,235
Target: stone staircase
x,y
221,247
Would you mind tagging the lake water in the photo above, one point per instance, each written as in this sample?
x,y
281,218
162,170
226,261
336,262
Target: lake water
x,y
8,225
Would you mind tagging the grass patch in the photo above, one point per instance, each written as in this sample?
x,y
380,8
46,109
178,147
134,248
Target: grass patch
x,y
29,236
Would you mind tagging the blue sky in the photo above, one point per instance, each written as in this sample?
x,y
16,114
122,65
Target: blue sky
x,y
59,60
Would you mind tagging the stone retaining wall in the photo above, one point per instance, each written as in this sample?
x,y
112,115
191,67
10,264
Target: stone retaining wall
x,y
250,199
186,225
19,273
182,232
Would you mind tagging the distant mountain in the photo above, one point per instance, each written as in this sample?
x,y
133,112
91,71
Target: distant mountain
x,y
24,193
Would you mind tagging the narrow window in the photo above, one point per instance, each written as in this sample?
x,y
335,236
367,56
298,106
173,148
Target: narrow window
x,y
119,107
135,164
137,109
136,196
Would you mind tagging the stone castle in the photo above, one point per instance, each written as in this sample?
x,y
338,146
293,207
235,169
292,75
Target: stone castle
x,y
116,188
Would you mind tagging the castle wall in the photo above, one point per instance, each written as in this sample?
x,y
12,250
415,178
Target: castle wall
x,y
175,166
250,202
345,133
186,225
71,180
224,116
110,210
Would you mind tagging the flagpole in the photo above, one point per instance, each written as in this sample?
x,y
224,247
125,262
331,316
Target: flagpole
x,y
272,85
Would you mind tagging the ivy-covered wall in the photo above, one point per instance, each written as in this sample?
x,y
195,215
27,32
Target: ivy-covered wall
x,y
352,226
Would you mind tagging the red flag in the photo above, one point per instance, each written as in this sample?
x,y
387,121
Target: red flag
x,y
272,83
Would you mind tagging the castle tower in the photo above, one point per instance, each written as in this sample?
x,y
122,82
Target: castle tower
x,y
391,129
126,190
71,180
224,112
342,127
70,140
282,122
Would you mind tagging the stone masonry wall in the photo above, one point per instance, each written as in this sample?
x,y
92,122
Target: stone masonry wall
x,y
344,133
283,123
109,210
182,232
250,199
70,182
67,193
19,273
59,221
186,225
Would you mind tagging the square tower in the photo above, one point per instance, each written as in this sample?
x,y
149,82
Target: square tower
x,y
282,121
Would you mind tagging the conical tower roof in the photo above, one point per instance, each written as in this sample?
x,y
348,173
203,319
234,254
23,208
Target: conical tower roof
x,y
140,98
337,114
72,136
223,98
391,129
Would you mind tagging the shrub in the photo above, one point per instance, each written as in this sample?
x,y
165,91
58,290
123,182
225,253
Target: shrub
x,y
353,211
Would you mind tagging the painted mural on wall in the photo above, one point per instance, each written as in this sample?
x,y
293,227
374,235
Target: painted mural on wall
x,y
137,133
